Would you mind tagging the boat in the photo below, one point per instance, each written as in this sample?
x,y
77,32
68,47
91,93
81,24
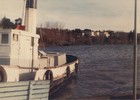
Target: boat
x,y
21,60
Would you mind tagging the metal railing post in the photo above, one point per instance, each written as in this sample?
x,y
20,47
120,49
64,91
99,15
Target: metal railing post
x,y
135,53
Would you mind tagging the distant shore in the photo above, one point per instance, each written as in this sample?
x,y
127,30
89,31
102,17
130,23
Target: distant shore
x,y
65,37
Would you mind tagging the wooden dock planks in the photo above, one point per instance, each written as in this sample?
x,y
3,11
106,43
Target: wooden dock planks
x,y
27,90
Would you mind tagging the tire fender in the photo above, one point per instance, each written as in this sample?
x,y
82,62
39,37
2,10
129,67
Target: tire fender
x,y
76,68
3,75
48,75
68,72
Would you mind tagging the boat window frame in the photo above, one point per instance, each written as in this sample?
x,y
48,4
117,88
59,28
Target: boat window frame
x,y
3,40
15,37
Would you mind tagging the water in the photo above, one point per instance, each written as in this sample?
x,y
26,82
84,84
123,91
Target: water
x,y
104,70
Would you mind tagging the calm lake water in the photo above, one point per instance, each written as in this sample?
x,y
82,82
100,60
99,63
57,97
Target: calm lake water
x,y
104,70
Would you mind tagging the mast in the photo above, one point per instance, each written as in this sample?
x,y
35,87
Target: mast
x,y
30,16
135,53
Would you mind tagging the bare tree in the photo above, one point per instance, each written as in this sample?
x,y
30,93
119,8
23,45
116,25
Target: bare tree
x,y
54,25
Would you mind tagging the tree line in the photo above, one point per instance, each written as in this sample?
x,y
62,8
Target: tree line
x,y
76,37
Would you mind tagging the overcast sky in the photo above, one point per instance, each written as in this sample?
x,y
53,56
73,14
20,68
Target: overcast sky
x,y
93,14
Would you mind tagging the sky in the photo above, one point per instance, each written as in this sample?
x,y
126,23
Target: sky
x,y
117,15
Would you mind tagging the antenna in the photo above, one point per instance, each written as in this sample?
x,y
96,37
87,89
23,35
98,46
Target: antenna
x,y
23,12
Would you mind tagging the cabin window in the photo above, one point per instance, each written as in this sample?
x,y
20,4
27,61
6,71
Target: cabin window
x,y
15,37
4,39
32,41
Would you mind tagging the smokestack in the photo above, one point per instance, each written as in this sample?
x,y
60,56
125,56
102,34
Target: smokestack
x,y
30,16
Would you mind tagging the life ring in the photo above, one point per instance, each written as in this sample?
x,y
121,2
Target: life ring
x,y
48,75
3,76
68,72
76,68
